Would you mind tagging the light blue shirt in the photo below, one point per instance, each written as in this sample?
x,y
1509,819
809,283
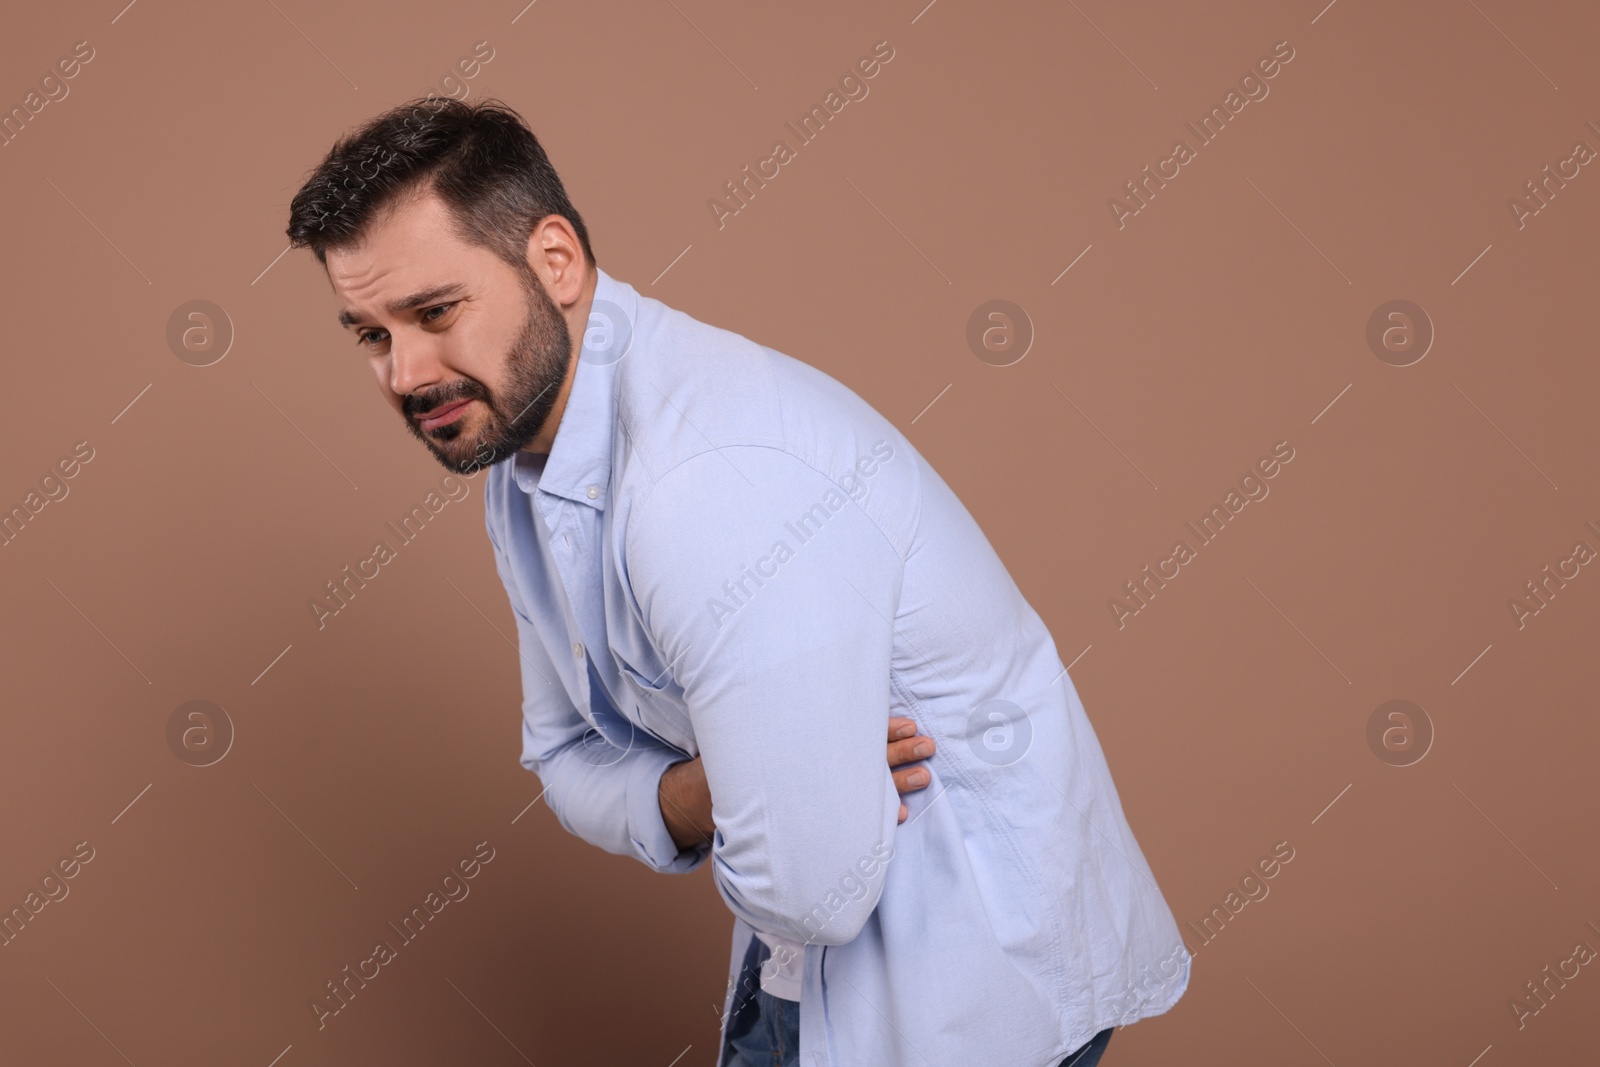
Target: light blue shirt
x,y
728,553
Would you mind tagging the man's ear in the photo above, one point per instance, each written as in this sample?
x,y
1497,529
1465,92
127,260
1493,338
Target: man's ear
x,y
556,256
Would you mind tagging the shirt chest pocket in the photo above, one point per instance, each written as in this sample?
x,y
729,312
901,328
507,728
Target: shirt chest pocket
x,y
659,704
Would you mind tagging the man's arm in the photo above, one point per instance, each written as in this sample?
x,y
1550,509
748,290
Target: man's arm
x,y
686,799
786,678
608,796
686,804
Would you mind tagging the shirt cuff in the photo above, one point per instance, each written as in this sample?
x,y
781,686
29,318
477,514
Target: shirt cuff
x,y
652,841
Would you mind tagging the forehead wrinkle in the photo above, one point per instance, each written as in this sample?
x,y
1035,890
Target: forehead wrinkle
x,y
348,318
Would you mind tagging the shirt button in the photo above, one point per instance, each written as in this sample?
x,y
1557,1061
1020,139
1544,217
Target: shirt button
x,y
577,649
593,491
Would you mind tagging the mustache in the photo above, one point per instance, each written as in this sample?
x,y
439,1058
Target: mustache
x,y
415,404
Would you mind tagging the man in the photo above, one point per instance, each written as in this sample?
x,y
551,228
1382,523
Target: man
x,y
730,577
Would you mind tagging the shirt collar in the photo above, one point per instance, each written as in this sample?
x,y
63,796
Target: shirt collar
x,y
578,467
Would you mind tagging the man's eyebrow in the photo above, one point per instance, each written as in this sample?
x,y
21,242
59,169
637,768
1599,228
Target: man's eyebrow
x,y
348,318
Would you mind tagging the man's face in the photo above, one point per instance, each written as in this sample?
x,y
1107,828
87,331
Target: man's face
x,y
468,350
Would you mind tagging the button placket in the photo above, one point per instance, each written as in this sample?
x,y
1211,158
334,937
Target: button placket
x,y
575,570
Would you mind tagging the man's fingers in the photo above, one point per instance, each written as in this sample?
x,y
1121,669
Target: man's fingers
x,y
903,813
912,748
910,781
908,748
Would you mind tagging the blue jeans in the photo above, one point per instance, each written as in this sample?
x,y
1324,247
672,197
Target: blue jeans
x,y
1089,1054
764,1030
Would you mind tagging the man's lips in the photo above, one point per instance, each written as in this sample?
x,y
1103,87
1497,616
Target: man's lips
x,y
442,416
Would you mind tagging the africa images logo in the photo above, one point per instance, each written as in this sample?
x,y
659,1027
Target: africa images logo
x,y
806,526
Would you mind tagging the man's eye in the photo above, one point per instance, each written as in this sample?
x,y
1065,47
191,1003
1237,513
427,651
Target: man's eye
x,y
441,308
361,338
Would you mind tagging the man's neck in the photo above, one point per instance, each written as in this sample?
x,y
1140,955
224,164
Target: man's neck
x,y
577,317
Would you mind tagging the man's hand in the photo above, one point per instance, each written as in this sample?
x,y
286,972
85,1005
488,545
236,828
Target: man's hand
x,y
686,799
906,747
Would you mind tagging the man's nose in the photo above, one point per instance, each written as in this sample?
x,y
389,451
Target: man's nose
x,y
413,365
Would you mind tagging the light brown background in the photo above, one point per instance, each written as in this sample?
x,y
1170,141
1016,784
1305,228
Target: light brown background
x,y
1227,316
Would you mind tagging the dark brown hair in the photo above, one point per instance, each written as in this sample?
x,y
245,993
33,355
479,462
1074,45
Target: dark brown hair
x,y
481,159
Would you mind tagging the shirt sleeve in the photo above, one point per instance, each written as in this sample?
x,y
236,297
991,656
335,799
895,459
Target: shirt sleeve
x,y
773,596
608,796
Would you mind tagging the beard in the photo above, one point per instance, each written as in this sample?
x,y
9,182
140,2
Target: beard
x,y
535,367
